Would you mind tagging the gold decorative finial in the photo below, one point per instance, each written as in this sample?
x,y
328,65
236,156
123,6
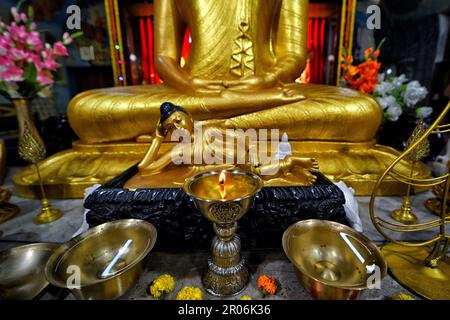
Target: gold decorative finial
x,y
32,149
423,148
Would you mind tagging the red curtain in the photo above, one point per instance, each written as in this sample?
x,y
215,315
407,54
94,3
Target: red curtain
x,y
317,49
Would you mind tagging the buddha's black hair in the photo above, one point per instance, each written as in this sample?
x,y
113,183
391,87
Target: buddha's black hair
x,y
167,109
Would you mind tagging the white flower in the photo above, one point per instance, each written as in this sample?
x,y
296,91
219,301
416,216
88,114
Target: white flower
x,y
414,93
402,78
397,82
385,102
394,111
424,112
384,88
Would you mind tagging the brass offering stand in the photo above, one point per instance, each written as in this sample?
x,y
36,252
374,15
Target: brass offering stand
x,y
405,214
32,149
416,265
227,272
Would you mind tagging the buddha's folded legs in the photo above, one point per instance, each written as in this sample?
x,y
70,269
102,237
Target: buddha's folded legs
x,y
326,113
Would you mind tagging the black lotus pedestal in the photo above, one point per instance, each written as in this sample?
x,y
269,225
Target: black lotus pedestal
x,y
181,226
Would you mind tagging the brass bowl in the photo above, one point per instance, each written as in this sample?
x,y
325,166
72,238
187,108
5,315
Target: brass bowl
x,y
331,258
22,270
105,261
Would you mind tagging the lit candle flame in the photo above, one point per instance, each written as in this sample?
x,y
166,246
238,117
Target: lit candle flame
x,y
223,193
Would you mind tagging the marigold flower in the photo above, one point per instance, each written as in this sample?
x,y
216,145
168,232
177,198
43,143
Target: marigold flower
x,y
402,296
162,285
190,293
267,284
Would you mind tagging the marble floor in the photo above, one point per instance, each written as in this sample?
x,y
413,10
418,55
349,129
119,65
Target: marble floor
x,y
187,267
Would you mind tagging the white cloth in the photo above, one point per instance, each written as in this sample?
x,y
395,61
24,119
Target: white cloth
x,y
84,226
351,206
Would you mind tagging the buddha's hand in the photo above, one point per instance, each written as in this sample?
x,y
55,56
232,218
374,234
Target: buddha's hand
x,y
253,83
205,87
273,96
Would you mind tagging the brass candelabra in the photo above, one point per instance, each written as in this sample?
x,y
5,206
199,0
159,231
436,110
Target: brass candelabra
x,y
415,264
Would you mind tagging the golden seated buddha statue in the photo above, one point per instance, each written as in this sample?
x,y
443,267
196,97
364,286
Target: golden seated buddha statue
x,y
240,73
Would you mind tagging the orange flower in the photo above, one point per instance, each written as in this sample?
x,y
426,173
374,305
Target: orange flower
x,y
267,284
362,77
352,70
368,52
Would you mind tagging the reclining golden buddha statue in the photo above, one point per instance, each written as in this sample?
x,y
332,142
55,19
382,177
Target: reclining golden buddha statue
x,y
240,73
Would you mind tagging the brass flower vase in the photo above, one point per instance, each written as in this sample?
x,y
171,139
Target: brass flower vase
x,y
32,149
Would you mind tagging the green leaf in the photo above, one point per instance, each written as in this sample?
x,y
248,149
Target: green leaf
x,y
37,89
376,94
76,34
30,72
381,43
30,13
19,4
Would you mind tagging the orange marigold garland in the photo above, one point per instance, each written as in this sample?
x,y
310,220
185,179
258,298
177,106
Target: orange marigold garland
x,y
268,285
362,77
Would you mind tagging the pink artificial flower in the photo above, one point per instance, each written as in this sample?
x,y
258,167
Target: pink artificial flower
x,y
4,45
17,32
5,61
15,14
59,49
12,73
67,39
34,40
44,78
17,54
47,52
33,25
5,41
35,58
50,64
23,17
